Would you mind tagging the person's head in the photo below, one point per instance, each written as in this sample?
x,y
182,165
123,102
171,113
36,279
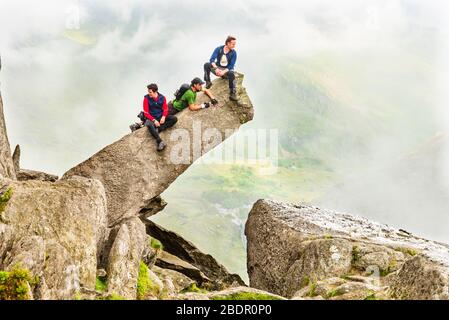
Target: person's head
x,y
231,42
197,84
153,90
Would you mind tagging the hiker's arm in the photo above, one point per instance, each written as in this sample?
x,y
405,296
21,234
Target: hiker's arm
x,y
195,107
164,111
208,93
146,109
214,57
233,61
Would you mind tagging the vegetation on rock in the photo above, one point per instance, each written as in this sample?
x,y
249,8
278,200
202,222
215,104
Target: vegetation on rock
x,y
16,284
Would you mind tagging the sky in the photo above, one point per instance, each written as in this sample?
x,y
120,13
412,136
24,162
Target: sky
x,y
74,72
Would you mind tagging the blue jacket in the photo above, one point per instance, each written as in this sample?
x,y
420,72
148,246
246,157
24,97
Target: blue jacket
x,y
231,56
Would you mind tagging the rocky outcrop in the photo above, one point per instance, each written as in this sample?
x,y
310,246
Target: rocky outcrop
x,y
124,258
26,175
83,236
133,172
306,252
174,244
56,231
6,163
237,293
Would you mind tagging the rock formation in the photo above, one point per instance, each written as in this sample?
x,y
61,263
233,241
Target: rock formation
x,y
85,236
6,163
214,272
300,252
133,173
55,230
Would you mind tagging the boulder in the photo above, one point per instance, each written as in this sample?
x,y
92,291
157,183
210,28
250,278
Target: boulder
x,y
124,258
292,247
421,278
133,172
179,280
56,230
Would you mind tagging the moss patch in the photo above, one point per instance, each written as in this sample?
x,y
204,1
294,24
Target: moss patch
x,y
408,251
371,296
246,296
356,254
193,288
144,283
101,284
156,244
333,293
15,284
4,198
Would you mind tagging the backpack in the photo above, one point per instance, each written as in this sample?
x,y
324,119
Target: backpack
x,y
180,92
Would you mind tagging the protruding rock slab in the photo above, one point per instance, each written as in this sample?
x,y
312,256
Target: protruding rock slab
x,y
133,172
291,247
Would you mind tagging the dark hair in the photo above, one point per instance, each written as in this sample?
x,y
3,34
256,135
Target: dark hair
x,y
153,87
229,39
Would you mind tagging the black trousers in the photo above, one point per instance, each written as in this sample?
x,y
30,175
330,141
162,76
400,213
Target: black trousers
x,y
170,121
171,110
230,75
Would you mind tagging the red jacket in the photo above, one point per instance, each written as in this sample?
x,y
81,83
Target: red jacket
x,y
155,108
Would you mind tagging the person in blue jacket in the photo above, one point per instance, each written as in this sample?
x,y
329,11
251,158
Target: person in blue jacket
x,y
221,64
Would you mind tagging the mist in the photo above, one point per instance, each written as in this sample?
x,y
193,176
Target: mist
x,y
74,74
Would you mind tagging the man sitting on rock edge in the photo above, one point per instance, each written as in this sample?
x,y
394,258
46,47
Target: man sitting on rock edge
x,y
155,114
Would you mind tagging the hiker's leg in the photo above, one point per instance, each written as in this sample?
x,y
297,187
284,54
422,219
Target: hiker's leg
x,y
207,71
153,130
171,110
170,121
232,83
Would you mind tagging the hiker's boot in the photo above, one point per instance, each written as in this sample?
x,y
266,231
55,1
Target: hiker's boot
x,y
233,96
134,127
161,146
208,84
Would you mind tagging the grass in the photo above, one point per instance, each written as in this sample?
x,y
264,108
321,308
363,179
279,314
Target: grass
x,y
312,292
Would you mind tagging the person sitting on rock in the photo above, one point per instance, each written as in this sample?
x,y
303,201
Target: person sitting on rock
x,y
187,98
155,113
222,63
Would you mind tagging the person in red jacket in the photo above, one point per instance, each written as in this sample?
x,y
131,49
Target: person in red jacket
x,y
156,117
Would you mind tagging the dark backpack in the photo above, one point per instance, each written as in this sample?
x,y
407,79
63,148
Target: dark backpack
x,y
180,92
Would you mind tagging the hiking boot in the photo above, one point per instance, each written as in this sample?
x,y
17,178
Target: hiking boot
x,y
233,96
208,84
161,146
134,127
